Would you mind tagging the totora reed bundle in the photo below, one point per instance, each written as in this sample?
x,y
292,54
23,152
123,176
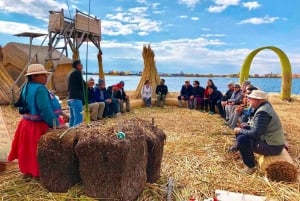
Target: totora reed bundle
x,y
59,167
279,168
110,167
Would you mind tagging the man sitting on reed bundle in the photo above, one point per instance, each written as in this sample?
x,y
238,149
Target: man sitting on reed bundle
x,y
264,134
96,108
185,93
103,95
161,93
120,94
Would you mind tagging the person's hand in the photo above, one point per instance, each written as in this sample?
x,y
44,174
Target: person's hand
x,y
60,126
108,100
223,103
237,130
181,97
191,97
243,125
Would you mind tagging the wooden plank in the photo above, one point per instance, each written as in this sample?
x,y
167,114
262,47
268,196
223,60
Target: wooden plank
x,y
56,21
87,24
5,140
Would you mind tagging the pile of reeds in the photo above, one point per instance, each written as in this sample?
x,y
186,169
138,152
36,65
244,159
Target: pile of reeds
x,y
149,72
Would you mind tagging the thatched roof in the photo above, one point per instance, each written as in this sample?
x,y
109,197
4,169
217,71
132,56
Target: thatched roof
x,y
17,55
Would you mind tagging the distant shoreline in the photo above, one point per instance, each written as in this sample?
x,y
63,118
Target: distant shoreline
x,y
191,75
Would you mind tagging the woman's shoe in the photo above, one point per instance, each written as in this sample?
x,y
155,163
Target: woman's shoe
x,y
27,177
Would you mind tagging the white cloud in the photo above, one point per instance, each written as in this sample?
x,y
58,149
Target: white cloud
x,y
189,3
256,20
35,8
221,5
134,20
183,16
251,5
15,28
141,1
195,18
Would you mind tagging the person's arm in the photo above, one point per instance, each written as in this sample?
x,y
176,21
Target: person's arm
x,y
142,92
157,89
43,103
166,90
261,121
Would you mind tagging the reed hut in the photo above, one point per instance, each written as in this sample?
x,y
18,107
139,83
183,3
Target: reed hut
x,y
15,57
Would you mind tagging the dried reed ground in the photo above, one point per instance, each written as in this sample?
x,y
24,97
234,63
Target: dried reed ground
x,y
194,156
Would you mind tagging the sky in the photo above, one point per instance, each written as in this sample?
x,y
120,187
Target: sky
x,y
190,36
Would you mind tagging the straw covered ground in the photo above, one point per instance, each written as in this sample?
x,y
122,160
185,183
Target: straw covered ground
x,y
195,157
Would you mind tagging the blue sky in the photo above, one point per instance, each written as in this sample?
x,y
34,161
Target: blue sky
x,y
193,36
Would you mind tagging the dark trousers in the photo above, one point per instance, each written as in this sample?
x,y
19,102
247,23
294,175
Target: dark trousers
x,y
248,146
221,109
204,105
212,105
112,108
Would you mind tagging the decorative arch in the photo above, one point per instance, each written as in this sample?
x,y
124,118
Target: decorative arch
x,y
286,71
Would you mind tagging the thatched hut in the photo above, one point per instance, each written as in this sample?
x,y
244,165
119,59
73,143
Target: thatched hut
x,y
15,57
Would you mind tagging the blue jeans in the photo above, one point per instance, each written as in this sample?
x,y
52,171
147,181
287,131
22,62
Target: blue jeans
x,y
76,116
247,146
147,101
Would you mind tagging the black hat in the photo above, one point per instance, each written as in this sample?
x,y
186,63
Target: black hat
x,y
75,63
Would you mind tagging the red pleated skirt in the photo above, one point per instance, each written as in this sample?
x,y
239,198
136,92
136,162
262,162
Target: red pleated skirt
x,y
24,145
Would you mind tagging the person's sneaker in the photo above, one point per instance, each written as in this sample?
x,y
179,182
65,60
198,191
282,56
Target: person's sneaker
x,y
248,170
210,112
233,149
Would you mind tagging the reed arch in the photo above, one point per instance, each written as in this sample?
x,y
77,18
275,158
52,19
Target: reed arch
x,y
286,70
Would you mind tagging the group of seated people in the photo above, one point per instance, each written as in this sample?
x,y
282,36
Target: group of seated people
x,y
247,111
106,102
244,108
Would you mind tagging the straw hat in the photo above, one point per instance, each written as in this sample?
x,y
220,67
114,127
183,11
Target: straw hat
x,y
34,69
258,94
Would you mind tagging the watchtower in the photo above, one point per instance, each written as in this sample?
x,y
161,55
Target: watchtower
x,y
73,32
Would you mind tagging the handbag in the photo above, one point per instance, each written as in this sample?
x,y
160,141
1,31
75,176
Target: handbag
x,y
21,104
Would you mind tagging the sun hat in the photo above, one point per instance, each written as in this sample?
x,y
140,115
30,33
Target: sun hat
x,y
34,69
258,94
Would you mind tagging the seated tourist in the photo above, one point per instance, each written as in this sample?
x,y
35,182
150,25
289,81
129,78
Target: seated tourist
x,y
161,93
95,108
196,99
120,94
235,99
241,112
214,96
264,134
102,95
210,83
146,93
185,93
221,104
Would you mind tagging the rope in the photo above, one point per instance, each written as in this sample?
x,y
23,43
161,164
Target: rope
x,y
86,104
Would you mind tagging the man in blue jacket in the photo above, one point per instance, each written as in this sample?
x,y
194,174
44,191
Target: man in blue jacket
x,y
185,93
102,95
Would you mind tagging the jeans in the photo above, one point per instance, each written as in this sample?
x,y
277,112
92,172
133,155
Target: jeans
x,y
247,146
147,101
76,116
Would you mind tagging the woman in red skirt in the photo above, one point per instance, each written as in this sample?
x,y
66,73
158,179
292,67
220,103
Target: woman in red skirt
x,y
42,113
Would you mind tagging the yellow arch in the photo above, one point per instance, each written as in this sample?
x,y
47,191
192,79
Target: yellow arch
x,y
286,70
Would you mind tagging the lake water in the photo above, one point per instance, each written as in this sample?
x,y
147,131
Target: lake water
x,y
174,83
